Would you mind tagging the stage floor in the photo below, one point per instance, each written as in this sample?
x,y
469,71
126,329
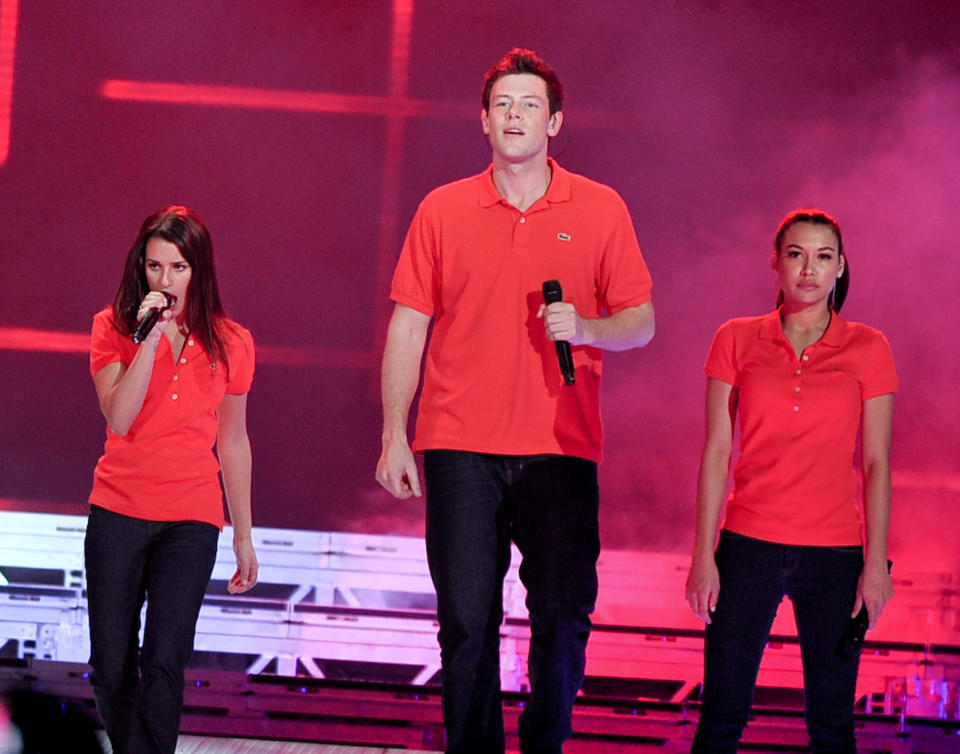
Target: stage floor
x,y
207,745
202,745
336,647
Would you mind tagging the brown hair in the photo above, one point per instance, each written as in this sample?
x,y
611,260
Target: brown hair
x,y
520,60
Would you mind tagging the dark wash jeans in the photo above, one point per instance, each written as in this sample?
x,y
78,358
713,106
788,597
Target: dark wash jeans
x,y
139,692
754,576
548,505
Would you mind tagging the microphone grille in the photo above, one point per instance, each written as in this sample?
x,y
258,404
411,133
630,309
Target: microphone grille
x,y
552,292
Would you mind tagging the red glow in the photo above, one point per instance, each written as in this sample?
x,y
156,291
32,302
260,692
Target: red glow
x,y
395,106
28,339
236,96
8,39
925,480
389,225
400,47
279,99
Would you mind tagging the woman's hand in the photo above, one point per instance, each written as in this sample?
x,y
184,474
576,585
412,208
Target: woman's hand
x,y
246,576
703,587
155,300
121,387
874,590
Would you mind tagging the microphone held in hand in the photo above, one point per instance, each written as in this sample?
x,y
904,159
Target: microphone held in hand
x,y
852,640
552,294
147,323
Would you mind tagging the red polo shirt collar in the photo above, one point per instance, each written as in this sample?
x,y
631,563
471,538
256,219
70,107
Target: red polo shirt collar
x,y
557,191
771,328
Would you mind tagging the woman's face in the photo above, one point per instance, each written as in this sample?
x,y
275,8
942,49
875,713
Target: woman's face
x,y
808,264
167,270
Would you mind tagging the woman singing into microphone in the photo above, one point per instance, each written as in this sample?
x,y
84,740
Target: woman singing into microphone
x,y
156,506
803,382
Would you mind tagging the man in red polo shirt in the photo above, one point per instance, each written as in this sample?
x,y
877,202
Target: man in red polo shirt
x,y
510,450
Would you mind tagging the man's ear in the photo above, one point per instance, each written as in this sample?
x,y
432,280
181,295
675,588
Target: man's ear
x,y
553,126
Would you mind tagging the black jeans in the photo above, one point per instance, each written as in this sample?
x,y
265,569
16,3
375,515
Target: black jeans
x,y
139,692
754,576
548,505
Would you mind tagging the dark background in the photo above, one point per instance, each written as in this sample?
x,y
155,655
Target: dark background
x,y
712,119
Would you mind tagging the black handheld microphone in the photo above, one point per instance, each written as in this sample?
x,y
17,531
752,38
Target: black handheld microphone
x,y
852,640
147,323
552,294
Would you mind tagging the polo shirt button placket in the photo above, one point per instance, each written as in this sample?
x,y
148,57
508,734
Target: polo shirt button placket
x,y
796,389
176,377
796,407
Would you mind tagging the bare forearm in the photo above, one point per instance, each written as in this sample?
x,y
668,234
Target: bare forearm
x,y
629,328
876,508
400,373
406,337
398,386
721,403
122,402
236,467
876,433
711,488
703,580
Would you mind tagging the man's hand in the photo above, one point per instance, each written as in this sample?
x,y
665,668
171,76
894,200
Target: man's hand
x,y
397,470
562,322
628,328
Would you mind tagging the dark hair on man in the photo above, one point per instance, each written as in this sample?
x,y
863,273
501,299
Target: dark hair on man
x,y
818,217
520,60
204,312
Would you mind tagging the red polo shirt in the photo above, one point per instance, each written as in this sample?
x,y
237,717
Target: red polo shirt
x,y
491,381
164,468
794,482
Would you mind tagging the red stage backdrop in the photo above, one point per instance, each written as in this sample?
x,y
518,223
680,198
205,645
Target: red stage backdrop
x,y
305,133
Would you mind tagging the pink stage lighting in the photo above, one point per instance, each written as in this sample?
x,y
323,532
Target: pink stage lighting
x,y
8,39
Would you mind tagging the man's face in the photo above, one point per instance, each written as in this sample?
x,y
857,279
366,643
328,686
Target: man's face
x,y
518,122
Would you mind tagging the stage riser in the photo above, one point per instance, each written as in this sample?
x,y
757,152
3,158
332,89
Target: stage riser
x,y
230,704
361,608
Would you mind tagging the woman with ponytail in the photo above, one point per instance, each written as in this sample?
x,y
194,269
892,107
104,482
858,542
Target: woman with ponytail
x,y
802,382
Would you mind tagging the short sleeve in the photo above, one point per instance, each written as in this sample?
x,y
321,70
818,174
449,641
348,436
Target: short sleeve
x,y
416,280
880,374
624,278
106,343
721,360
242,360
